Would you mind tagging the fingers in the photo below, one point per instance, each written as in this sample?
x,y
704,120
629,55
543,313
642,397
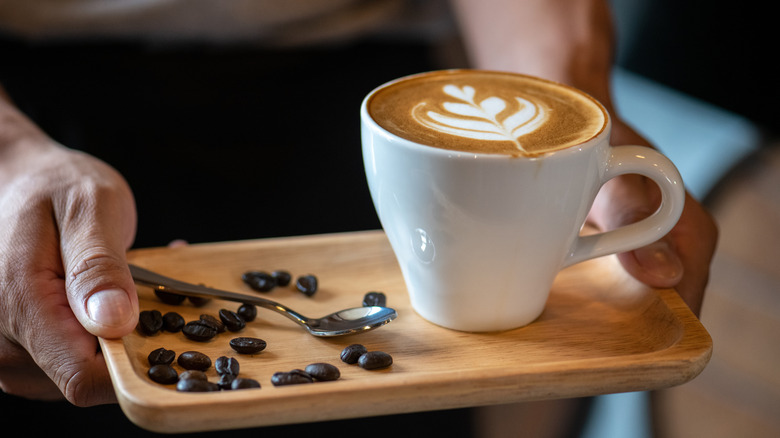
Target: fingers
x,y
96,221
45,353
695,237
625,200
681,259
67,354
656,265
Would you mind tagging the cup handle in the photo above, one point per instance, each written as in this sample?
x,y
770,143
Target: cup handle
x,y
652,164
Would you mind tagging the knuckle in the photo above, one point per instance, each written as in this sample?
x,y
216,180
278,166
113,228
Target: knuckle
x,y
81,202
91,197
71,374
78,389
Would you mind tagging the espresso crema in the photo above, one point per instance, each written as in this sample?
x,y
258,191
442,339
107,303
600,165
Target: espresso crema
x,y
486,112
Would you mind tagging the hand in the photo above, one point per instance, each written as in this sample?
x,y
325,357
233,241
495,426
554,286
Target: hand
x,y
66,220
572,41
682,258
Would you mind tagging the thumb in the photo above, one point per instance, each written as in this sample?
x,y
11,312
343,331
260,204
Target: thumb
x,y
96,229
101,292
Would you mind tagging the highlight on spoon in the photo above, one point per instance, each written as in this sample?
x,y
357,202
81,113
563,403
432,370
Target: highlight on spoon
x,y
359,319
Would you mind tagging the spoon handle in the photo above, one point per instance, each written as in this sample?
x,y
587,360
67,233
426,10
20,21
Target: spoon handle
x,y
153,279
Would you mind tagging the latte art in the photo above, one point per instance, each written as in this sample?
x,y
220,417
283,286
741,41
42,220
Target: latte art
x,y
482,120
486,112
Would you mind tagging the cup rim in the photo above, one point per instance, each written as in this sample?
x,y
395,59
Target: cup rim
x,y
603,133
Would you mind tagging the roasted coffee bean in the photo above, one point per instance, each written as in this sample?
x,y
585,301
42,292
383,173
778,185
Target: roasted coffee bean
x,y
374,299
281,277
352,353
161,356
164,374
247,345
194,360
374,360
323,371
199,331
198,301
294,377
173,322
213,321
169,297
248,312
244,383
193,374
150,322
231,320
226,381
259,280
227,365
307,284
196,385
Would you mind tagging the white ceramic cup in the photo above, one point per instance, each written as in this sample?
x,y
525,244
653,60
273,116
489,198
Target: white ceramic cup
x,y
480,237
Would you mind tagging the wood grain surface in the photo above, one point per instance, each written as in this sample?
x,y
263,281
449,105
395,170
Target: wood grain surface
x,y
601,332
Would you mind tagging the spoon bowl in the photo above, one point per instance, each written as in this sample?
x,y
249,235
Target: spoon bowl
x,y
344,322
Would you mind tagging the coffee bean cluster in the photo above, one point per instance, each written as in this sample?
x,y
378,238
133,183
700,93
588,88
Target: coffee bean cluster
x,y
315,372
368,360
195,364
205,328
151,322
194,378
320,371
263,281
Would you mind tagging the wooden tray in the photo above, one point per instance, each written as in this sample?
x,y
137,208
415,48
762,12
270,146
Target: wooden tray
x,y
601,333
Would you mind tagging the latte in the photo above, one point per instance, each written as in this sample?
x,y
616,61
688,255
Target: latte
x,y
486,112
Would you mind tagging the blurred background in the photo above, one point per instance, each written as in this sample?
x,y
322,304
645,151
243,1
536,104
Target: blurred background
x,y
697,78
219,143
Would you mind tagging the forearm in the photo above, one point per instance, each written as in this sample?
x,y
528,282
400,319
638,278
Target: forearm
x,y
19,136
569,41
9,120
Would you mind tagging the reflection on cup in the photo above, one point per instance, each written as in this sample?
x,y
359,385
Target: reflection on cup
x,y
423,247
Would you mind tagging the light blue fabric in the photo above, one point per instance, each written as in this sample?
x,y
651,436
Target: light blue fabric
x,y
625,415
704,142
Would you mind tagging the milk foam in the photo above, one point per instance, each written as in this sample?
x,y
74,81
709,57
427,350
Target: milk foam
x,y
491,119
487,112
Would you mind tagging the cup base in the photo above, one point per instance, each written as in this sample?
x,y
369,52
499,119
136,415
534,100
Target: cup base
x,y
472,327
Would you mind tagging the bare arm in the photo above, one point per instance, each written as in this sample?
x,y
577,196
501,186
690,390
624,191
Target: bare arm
x,y
568,41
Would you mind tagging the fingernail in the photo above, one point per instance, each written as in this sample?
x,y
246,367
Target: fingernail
x,y
659,259
177,243
109,307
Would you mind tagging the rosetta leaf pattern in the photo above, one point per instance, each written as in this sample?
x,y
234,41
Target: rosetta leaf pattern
x,y
481,120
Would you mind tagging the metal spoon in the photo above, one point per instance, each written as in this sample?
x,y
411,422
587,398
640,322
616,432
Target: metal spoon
x,y
343,322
